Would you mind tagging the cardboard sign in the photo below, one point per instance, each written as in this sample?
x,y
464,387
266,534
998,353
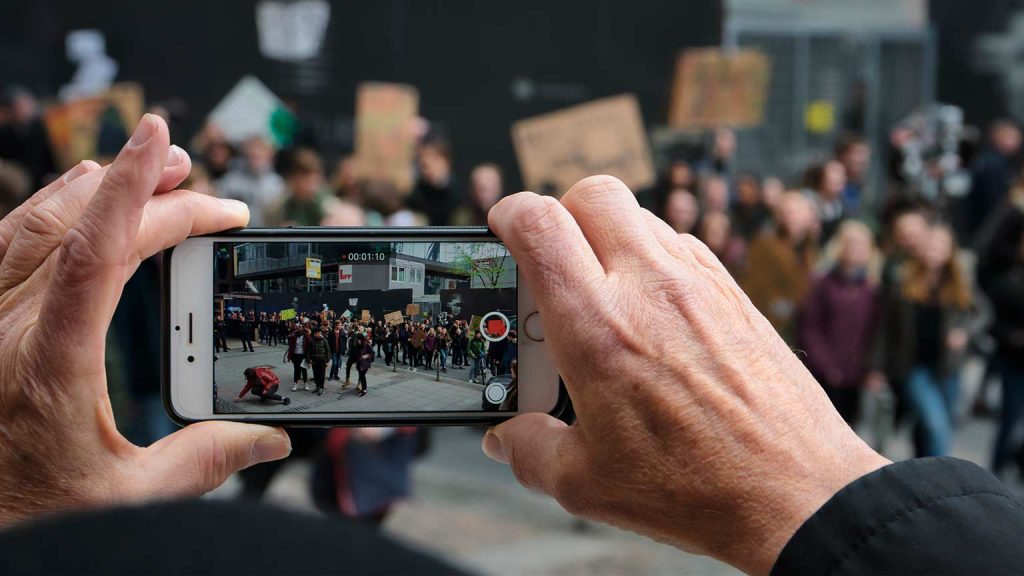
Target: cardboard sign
x,y
605,136
345,274
713,87
385,133
346,314
412,309
474,324
394,317
94,127
365,317
287,314
313,268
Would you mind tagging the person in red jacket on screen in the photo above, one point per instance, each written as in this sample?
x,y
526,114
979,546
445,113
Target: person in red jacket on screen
x,y
261,381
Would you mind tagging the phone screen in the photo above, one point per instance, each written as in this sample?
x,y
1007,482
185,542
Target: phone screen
x,y
343,327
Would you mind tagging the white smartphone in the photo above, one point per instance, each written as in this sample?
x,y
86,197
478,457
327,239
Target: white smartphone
x,y
352,326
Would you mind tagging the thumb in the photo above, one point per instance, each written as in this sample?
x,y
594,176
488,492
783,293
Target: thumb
x,y
200,457
531,445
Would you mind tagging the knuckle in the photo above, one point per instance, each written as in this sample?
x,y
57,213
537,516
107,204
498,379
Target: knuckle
x,y
214,463
78,258
598,183
45,220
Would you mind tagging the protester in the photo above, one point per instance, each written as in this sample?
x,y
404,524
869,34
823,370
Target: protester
x,y
826,183
24,139
485,189
854,153
364,353
750,214
925,337
435,195
714,195
716,232
476,349
1007,293
319,355
305,202
993,173
837,322
299,343
254,181
780,261
337,340
263,383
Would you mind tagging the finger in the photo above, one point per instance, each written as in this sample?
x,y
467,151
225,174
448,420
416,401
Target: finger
x,y
558,264
174,216
176,168
12,222
97,254
612,221
533,445
198,458
667,237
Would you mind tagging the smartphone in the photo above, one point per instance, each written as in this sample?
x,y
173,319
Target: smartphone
x,y
351,327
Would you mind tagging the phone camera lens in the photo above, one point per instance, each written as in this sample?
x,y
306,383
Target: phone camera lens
x,y
191,358
177,328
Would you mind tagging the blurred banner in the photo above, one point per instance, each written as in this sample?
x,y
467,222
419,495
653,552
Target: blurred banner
x,y
95,127
715,87
386,116
605,136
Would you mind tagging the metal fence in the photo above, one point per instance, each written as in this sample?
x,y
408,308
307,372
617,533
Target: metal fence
x,y
871,80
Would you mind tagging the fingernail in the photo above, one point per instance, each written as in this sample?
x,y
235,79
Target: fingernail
x,y
273,446
234,205
144,131
175,156
78,169
493,449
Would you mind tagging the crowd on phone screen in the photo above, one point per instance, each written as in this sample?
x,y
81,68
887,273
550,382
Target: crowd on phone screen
x,y
329,345
885,293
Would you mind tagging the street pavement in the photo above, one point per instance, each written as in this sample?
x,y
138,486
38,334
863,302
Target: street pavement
x,y
472,512
388,389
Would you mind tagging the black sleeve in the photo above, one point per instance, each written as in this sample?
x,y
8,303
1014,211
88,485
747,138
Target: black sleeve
x,y
925,516
206,537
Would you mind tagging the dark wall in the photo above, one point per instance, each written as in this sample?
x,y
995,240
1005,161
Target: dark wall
x,y
464,55
961,80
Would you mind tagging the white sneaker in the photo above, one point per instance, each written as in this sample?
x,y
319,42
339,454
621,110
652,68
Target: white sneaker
x,y
295,387
306,387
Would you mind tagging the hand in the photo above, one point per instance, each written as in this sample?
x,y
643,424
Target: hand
x,y
957,339
696,424
65,256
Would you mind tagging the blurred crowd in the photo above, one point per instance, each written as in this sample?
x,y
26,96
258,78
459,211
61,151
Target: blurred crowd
x,y
882,271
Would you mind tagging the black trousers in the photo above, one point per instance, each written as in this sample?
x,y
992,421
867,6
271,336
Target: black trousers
x,y
348,367
319,373
362,381
269,394
299,373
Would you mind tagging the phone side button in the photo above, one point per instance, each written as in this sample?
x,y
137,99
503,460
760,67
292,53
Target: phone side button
x,y
533,327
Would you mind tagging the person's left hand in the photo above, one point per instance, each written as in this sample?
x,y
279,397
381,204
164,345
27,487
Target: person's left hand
x,y
65,256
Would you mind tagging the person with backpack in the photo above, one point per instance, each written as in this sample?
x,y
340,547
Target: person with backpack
x,y
262,382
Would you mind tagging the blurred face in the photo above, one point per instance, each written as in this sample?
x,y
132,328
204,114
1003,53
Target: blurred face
x,y
747,191
345,175
485,187
797,216
258,154
857,159
833,181
1007,139
909,232
681,211
23,108
856,249
772,190
716,232
725,143
680,175
938,248
434,166
304,186
716,195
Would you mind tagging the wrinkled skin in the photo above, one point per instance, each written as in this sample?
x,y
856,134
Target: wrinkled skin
x,y
697,425
65,256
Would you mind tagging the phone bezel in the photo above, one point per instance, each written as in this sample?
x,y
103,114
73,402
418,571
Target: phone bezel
x,y
183,385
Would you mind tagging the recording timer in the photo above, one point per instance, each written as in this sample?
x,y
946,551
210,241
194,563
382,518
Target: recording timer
x,y
363,257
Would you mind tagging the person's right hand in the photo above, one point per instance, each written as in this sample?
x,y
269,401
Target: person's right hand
x,y
697,425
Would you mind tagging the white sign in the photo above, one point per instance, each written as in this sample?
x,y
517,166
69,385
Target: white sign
x,y
292,31
345,274
251,109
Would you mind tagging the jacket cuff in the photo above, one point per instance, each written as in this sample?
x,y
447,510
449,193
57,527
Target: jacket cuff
x,y
903,518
